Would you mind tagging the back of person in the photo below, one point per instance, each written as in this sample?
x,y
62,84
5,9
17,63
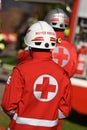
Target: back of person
x,y
44,90
38,92
64,54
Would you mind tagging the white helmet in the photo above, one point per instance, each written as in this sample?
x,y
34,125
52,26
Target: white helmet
x,y
40,35
58,19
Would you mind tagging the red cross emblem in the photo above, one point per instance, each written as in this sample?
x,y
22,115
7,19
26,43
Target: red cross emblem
x,y
45,88
60,55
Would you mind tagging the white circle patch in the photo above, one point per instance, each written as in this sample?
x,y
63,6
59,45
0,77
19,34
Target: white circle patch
x,y
45,88
61,55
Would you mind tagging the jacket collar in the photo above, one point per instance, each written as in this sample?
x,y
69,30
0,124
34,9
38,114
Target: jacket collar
x,y
42,55
60,34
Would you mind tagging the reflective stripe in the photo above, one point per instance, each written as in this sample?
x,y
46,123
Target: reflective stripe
x,y
8,129
10,112
15,116
61,116
35,122
79,82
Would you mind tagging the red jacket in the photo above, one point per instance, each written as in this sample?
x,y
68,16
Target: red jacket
x,y
23,55
37,93
65,54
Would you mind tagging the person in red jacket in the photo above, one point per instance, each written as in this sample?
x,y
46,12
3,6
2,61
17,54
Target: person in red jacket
x,y
38,92
64,54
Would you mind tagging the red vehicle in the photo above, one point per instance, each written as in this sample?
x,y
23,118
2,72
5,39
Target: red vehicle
x,y
78,32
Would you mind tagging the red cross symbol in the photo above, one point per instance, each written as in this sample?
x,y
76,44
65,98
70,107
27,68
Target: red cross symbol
x,y
45,87
60,56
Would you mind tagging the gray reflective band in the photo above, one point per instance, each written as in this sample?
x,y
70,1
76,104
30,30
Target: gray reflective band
x,y
35,122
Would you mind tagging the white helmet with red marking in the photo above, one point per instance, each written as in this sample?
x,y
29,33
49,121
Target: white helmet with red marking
x,y
58,19
40,35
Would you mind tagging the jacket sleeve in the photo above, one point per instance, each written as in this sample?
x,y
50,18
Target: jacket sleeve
x,y
13,92
65,101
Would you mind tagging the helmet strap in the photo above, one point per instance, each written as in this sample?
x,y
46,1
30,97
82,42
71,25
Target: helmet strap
x,y
30,51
